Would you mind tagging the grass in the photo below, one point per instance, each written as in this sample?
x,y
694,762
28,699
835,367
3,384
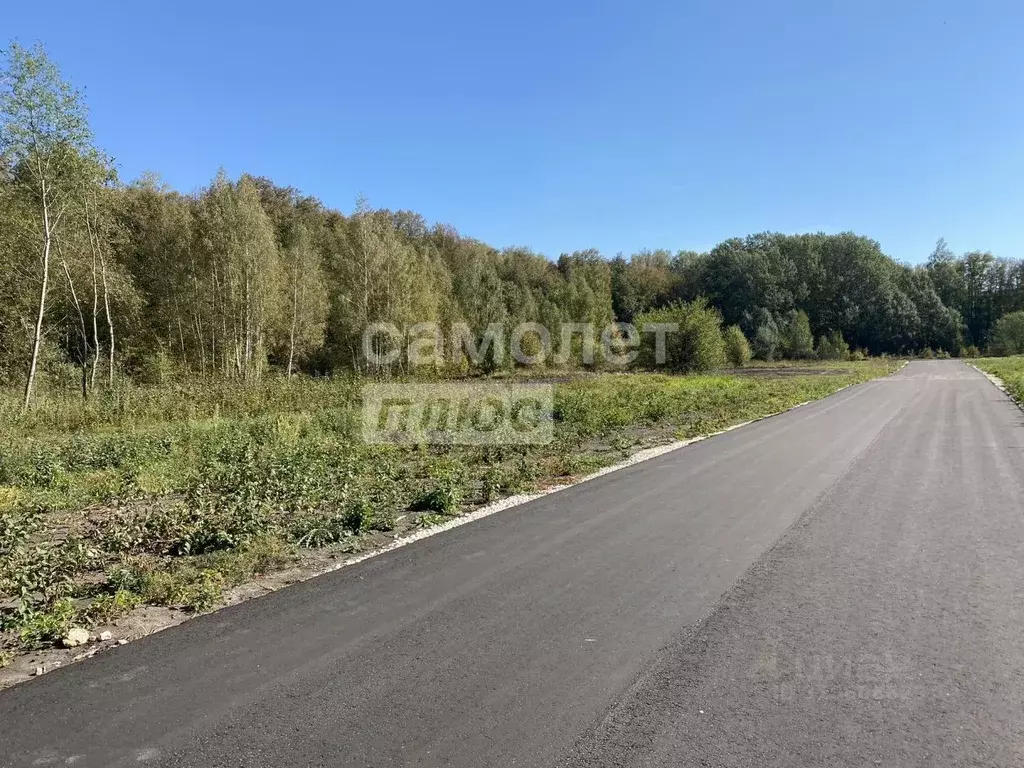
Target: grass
x,y
1009,369
168,496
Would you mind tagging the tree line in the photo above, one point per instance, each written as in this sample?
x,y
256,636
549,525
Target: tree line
x,y
101,279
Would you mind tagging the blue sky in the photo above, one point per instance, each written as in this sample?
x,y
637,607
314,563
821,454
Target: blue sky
x,y
561,126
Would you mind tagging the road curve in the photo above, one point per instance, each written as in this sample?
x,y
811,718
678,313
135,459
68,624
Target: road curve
x,y
837,585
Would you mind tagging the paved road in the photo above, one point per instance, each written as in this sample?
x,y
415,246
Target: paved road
x,y
839,585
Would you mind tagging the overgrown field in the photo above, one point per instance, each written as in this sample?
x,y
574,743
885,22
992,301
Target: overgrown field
x,y
167,496
1009,369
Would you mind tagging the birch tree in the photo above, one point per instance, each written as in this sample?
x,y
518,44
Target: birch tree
x,y
305,296
242,270
44,132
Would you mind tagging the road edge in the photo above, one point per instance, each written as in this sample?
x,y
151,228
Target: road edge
x,y
510,502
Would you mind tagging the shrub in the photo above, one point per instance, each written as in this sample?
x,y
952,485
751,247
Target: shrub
x,y
833,347
737,348
766,342
182,586
42,574
259,556
970,351
696,345
35,627
106,608
446,495
380,520
928,353
797,341
1008,334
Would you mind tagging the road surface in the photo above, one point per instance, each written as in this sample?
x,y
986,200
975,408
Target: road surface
x,y
839,585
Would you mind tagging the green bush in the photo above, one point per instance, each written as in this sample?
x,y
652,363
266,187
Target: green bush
x,y
737,348
179,586
766,342
40,574
797,341
696,344
446,495
833,347
1008,334
106,608
35,627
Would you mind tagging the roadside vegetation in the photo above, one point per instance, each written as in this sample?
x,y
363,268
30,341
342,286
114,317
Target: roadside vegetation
x,y
168,496
1009,369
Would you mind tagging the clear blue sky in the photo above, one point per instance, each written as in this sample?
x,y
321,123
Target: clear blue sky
x,y
567,125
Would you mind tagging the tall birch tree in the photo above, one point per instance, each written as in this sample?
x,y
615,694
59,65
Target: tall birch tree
x,y
44,132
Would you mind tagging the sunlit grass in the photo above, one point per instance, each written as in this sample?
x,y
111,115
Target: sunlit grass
x,y
1009,369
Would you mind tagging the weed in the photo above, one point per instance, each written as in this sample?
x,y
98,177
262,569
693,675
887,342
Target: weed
x,y
446,495
356,515
106,608
428,520
181,585
34,627
315,531
492,484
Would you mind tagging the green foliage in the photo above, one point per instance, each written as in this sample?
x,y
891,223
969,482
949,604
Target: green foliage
x,y
693,337
766,342
1008,334
107,608
49,624
38,574
40,113
247,278
797,342
445,496
833,347
1009,369
181,586
429,520
737,348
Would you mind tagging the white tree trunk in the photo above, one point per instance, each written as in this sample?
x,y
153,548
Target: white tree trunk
x,y
110,317
37,339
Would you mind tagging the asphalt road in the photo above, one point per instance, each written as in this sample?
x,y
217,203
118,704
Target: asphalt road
x,y
838,585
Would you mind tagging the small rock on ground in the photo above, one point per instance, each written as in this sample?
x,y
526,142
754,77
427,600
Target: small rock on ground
x,y
76,636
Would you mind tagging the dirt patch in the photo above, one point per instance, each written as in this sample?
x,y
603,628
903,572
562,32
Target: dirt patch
x,y
779,373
